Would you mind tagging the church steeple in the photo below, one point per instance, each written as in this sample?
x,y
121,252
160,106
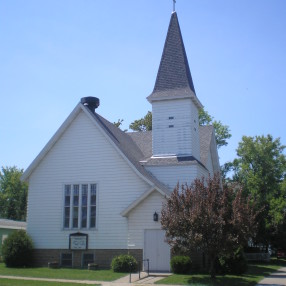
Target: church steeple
x,y
174,78
175,106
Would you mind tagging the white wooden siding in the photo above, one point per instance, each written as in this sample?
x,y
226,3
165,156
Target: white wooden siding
x,y
82,155
202,172
195,132
171,175
141,218
183,137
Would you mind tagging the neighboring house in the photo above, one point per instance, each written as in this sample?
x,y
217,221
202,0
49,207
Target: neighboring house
x,y
95,191
7,226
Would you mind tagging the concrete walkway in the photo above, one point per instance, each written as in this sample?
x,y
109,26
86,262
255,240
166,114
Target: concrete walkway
x,y
144,278
277,278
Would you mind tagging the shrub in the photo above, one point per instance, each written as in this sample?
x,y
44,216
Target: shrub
x,y
181,264
235,263
124,263
17,249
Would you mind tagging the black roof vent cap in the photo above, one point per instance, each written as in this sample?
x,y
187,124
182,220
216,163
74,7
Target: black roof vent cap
x,y
91,102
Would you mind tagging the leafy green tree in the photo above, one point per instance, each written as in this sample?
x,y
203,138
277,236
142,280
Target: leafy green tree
x,y
261,169
222,132
209,217
143,124
119,123
13,194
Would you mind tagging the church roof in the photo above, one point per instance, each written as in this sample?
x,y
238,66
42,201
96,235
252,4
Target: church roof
x,y
135,146
174,78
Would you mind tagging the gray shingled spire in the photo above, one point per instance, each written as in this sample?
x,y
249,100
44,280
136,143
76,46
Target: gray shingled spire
x,y
174,76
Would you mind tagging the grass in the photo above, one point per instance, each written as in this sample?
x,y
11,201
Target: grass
x,y
14,282
61,273
255,273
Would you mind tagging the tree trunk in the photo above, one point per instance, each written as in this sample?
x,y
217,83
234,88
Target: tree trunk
x,y
212,267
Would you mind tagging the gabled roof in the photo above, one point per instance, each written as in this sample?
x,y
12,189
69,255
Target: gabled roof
x,y
133,205
174,78
129,148
123,143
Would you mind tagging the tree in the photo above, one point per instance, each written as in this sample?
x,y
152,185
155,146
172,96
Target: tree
x,y
143,124
13,194
17,249
261,169
119,123
222,132
207,217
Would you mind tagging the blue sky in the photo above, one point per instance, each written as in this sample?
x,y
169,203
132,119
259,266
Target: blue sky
x,y
54,52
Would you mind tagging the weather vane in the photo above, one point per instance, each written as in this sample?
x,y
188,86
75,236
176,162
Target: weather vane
x,y
174,5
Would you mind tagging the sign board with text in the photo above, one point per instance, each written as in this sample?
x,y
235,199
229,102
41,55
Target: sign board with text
x,y
78,241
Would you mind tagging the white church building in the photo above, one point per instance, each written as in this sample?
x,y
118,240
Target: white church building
x,y
96,192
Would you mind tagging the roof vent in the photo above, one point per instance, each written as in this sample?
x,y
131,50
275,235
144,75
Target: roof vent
x,y
91,102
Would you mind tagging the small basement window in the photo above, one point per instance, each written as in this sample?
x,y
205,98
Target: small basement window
x,y
66,259
86,259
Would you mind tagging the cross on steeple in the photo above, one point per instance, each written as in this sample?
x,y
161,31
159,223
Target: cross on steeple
x,y
174,5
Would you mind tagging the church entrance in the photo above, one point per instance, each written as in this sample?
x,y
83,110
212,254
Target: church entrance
x,y
156,250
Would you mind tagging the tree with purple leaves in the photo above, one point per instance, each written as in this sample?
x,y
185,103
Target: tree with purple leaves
x,y
209,217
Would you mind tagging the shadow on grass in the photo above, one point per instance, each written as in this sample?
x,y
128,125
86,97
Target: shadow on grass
x,y
260,270
256,272
280,262
221,280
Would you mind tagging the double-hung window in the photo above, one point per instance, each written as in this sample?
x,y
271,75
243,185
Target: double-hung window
x,y
80,206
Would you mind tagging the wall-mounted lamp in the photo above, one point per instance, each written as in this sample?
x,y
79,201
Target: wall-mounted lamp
x,y
155,216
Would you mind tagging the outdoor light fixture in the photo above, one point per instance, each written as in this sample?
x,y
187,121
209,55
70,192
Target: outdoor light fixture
x,y
155,216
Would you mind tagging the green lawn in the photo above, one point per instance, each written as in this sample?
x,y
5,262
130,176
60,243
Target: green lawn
x,y
254,274
11,282
62,273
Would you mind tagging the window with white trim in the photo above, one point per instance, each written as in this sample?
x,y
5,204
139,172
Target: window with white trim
x,y
79,206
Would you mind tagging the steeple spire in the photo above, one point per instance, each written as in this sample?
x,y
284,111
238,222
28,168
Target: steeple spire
x,y
174,5
174,78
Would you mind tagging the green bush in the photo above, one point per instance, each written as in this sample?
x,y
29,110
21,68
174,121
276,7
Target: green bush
x,y
17,249
181,264
234,263
124,263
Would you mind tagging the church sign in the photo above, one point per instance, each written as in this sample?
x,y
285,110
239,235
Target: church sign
x,y
78,241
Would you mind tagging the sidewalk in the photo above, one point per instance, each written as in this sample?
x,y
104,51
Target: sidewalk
x,y
277,278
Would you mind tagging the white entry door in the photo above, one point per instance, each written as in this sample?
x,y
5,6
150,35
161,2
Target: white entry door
x,y
156,250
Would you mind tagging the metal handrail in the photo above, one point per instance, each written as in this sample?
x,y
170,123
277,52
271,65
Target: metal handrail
x,y
139,269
